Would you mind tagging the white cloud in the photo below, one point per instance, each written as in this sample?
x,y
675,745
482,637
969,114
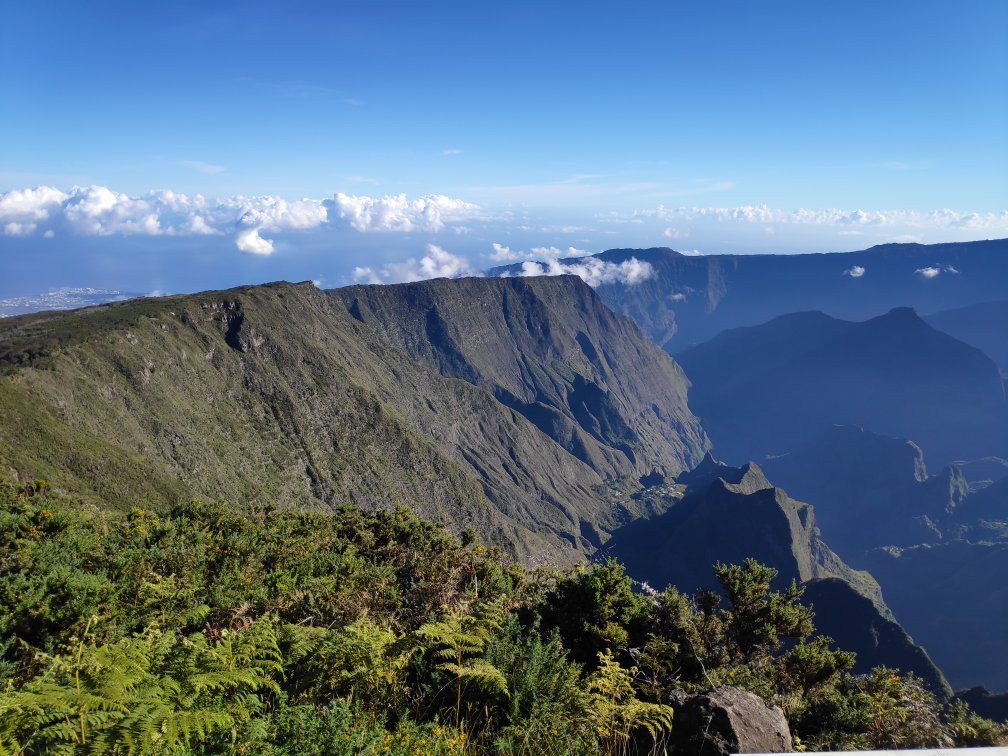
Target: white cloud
x,y
502,253
675,233
929,272
857,218
451,151
555,253
952,269
437,263
365,275
854,271
394,212
249,241
18,229
99,211
593,271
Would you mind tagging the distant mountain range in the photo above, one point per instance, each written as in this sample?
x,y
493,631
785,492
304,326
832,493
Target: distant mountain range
x,y
688,299
929,540
767,389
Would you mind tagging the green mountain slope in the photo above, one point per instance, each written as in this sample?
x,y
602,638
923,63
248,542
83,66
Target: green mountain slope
x,y
551,350
275,393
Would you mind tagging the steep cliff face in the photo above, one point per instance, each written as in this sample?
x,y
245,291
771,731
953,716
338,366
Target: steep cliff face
x,y
855,624
277,394
552,351
729,514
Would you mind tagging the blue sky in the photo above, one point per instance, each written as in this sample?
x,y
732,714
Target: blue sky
x,y
714,126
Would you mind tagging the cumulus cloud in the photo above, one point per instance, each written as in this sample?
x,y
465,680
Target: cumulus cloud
x,y
502,253
248,240
854,271
437,263
931,271
593,271
99,211
272,214
675,233
395,212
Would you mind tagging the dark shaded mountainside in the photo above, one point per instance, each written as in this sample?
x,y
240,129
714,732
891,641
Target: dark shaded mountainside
x,y
689,299
885,482
729,514
766,389
277,394
938,544
983,325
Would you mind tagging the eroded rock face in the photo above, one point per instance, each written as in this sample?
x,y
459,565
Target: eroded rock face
x,y
728,720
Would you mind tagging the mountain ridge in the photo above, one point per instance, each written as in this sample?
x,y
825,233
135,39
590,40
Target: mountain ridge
x,y
277,393
690,298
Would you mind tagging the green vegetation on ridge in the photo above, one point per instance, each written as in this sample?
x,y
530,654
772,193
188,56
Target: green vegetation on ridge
x,y
213,628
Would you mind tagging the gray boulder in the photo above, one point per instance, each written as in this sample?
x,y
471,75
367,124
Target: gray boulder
x,y
727,720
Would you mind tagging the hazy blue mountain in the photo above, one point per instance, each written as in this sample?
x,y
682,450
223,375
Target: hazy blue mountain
x,y
989,506
689,299
767,389
854,477
953,599
984,471
873,491
984,325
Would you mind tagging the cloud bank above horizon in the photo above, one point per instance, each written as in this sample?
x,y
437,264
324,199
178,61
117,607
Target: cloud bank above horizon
x,y
395,237
99,210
